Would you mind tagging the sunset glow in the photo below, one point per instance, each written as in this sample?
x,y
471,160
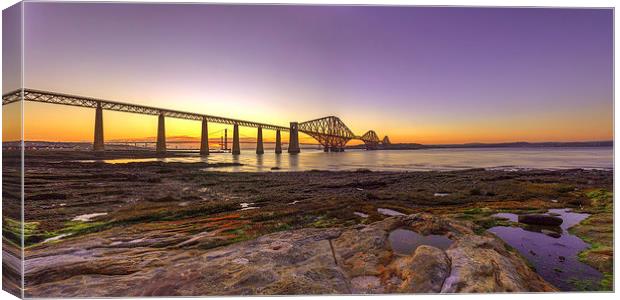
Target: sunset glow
x,y
208,150
419,74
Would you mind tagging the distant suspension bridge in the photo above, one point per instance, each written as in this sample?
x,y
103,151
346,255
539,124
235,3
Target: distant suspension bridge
x,y
331,133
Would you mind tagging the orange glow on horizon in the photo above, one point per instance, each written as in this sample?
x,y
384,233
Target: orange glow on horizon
x,y
48,122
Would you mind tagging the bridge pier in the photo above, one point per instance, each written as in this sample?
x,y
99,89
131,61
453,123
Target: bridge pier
x,y
98,144
204,138
278,142
236,148
161,134
293,141
259,141
225,138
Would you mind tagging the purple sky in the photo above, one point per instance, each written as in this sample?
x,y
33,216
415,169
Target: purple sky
x,y
415,73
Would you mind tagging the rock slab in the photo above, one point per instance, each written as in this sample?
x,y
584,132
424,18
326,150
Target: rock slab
x,y
355,260
544,220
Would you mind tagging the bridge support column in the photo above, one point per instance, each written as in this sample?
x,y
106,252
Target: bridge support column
x,y
259,141
225,138
98,142
278,142
236,148
204,138
293,141
161,134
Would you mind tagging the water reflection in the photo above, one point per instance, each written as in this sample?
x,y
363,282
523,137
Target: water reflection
x,y
404,242
552,250
293,162
260,166
389,212
409,160
236,159
277,162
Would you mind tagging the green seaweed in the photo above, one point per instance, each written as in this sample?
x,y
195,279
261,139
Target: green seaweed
x,y
585,285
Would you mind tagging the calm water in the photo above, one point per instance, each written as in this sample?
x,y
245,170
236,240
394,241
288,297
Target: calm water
x,y
555,258
404,242
412,160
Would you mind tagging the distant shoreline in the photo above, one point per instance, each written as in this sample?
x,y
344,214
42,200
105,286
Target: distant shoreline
x,y
414,146
398,146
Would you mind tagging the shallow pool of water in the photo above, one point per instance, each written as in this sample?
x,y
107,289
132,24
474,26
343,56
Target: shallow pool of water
x,y
405,241
247,206
554,257
55,238
360,214
88,217
389,212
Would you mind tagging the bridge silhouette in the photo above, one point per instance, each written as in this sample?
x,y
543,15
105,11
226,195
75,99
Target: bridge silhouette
x,y
331,133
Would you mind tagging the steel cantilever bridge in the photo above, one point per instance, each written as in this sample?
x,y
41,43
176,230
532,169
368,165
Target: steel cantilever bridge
x,y
329,131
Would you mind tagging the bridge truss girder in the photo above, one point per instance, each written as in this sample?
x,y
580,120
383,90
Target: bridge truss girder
x,y
72,100
371,139
330,132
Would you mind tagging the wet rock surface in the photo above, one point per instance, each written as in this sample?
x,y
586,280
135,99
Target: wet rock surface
x,y
425,271
540,219
482,263
353,260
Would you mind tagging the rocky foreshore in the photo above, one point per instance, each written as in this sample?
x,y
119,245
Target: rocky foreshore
x,y
354,260
155,228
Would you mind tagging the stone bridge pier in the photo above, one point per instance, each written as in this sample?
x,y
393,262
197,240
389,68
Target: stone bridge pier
x,y
98,144
236,148
293,141
278,142
204,138
161,134
259,141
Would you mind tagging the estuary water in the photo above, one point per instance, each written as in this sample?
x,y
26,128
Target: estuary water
x,y
409,160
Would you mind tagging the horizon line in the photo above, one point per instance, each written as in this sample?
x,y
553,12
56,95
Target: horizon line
x,y
265,141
